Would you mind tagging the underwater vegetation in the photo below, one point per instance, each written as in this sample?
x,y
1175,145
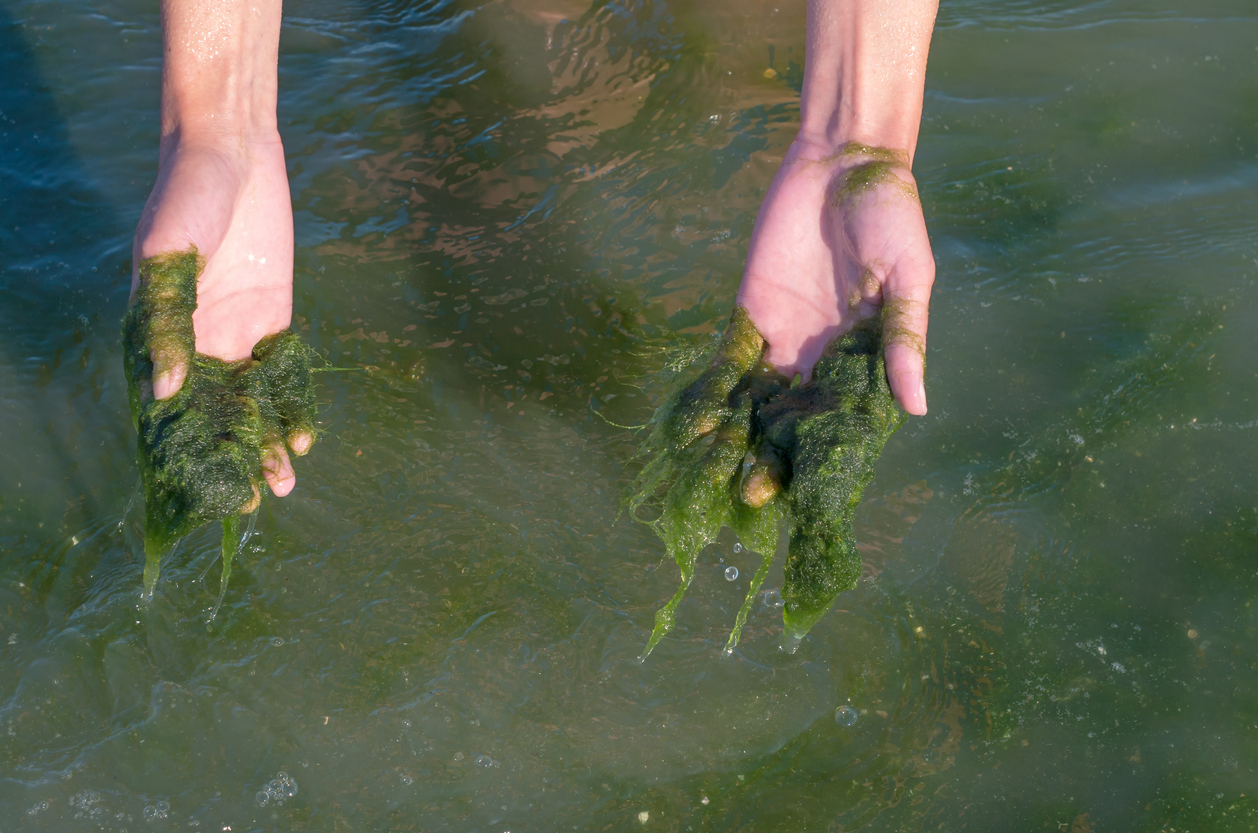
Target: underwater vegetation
x,y
200,451
739,446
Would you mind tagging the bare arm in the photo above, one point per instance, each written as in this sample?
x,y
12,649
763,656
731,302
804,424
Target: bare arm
x,y
866,71
219,64
841,235
222,186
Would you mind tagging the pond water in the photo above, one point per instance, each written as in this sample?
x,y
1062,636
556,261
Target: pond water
x,y
505,214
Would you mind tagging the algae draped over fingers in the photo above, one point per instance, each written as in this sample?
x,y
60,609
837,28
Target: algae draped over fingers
x,y
812,447
201,450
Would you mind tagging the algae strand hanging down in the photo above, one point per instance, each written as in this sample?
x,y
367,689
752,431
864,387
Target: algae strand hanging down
x,y
814,447
201,450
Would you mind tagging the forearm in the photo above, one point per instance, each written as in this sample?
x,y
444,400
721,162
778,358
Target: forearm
x,y
219,60
865,72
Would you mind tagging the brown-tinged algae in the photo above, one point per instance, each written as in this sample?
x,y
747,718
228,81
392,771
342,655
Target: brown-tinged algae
x,y
200,451
812,450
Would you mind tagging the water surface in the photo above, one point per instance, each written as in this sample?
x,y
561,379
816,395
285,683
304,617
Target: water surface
x,y
505,214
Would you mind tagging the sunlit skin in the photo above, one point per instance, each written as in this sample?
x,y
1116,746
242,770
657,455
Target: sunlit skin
x,y
222,187
815,263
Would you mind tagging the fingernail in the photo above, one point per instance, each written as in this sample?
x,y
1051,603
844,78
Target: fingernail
x,y
161,385
921,394
300,443
168,382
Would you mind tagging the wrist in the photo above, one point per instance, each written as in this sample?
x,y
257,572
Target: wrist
x,y
227,108
850,146
853,117
219,70
242,143
844,154
865,72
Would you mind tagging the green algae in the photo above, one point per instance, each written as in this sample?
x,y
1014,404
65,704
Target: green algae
x,y
740,447
877,166
201,451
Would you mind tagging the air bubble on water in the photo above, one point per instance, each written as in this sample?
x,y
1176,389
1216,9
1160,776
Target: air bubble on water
x,y
281,788
484,760
845,715
772,598
156,812
458,756
731,573
85,802
738,548
277,642
407,780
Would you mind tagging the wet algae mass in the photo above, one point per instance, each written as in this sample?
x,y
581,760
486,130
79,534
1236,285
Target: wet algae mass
x,y
200,451
740,447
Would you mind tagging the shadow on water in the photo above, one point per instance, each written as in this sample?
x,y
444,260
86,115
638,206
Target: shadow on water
x,y
64,245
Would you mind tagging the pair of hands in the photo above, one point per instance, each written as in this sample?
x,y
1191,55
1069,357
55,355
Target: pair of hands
x,y
823,255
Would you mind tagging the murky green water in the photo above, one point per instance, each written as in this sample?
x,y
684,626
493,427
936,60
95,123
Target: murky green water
x,y
504,211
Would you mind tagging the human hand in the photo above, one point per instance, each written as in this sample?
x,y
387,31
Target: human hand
x,y
812,446
840,237
227,197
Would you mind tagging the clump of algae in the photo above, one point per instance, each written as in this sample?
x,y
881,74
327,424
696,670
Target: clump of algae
x,y
740,447
200,451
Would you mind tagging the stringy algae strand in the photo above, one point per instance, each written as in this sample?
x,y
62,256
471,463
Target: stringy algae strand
x,y
200,451
832,453
813,448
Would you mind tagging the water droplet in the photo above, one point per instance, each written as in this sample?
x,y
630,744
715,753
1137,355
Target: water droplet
x,y
731,573
845,715
738,548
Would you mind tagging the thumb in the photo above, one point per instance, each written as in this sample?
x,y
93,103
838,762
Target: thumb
x,y
906,308
167,296
170,368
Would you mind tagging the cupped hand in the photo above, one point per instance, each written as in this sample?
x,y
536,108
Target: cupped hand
x,y
841,236
227,197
